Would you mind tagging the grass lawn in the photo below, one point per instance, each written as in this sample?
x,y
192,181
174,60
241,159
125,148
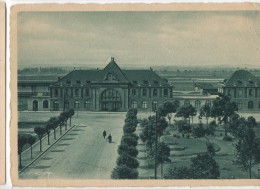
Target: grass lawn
x,y
183,149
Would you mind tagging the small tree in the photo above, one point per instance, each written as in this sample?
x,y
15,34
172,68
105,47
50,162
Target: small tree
x,y
166,110
31,141
247,151
186,112
22,140
48,127
223,109
40,131
53,122
211,148
205,111
204,166
64,118
163,154
71,113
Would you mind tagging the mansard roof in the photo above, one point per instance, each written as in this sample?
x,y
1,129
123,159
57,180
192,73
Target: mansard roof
x,y
134,77
242,78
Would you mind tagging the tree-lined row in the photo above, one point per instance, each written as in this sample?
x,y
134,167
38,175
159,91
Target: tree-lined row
x,y
126,162
51,125
152,129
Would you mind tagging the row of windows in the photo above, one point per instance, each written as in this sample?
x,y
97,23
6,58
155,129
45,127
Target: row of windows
x,y
154,92
250,105
250,93
69,92
176,102
78,82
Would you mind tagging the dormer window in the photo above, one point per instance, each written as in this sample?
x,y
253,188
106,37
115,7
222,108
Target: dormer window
x,y
135,82
78,82
88,82
155,82
239,82
68,82
251,82
145,82
110,77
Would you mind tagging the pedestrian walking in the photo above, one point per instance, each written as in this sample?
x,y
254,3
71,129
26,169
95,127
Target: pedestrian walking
x,y
109,138
104,133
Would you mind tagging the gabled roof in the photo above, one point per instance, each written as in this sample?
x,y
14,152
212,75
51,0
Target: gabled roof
x,y
242,78
134,77
114,69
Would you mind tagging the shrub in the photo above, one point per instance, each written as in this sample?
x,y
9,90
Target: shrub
x,y
227,138
199,131
178,173
128,161
124,172
123,148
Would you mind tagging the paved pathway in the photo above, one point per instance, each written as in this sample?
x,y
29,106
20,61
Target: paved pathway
x,y
83,153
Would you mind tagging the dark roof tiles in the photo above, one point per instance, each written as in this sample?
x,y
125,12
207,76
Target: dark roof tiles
x,y
242,78
135,77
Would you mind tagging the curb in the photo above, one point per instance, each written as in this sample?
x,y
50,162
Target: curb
x,y
35,159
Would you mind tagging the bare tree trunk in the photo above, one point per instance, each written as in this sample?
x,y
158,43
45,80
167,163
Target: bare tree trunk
x,y
48,138
250,168
40,144
54,130
60,129
31,152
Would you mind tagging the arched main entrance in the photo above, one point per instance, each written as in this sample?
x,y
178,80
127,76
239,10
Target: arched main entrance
x,y
35,105
111,100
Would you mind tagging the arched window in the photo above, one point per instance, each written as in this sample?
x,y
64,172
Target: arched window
x,y
76,104
251,92
35,105
186,103
197,104
165,92
45,104
87,105
134,104
239,105
144,92
155,92
154,105
144,104
56,92
55,105
250,105
208,103
110,95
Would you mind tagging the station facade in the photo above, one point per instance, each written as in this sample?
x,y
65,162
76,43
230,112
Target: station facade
x,y
110,89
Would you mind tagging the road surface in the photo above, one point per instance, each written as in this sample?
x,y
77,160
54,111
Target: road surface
x,y
83,153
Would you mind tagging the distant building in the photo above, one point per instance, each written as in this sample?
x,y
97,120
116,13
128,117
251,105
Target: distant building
x,y
206,88
194,98
31,89
244,89
109,89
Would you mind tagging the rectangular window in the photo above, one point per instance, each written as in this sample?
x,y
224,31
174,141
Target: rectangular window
x,y
155,92
240,92
134,92
165,92
76,92
87,92
144,92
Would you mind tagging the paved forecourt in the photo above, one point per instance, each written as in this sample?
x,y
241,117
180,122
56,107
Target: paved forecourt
x,y
82,153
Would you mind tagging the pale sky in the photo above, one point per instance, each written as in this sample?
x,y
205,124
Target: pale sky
x,y
139,38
